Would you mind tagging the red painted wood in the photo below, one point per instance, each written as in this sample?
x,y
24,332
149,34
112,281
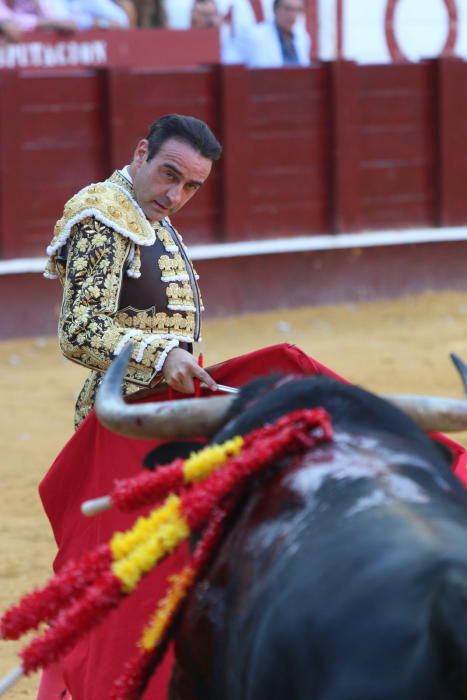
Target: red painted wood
x,y
398,146
53,140
452,135
288,135
339,29
394,211
12,230
327,277
346,187
128,48
236,159
123,130
312,25
336,147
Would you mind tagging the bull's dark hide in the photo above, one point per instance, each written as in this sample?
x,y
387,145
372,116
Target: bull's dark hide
x,y
343,576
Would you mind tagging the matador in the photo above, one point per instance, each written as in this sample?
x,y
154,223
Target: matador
x,y
125,271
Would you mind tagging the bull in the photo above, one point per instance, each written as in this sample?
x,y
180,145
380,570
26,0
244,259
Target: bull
x,y
343,572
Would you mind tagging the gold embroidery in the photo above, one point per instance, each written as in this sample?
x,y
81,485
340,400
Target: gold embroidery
x,y
114,213
87,395
172,266
164,236
180,294
105,198
91,328
158,322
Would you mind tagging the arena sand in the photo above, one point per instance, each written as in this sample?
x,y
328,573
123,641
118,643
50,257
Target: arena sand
x,y
391,346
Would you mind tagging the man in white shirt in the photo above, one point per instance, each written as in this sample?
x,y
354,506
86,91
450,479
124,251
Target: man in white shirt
x,y
282,42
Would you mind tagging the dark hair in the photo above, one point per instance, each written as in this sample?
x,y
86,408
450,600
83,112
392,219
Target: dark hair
x,y
276,4
151,13
192,131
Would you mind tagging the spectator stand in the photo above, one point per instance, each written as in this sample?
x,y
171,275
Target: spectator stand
x,y
338,182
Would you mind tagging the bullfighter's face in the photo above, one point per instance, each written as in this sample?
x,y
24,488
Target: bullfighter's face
x,y
164,184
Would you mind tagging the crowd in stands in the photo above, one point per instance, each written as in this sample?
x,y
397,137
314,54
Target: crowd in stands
x,y
281,39
65,16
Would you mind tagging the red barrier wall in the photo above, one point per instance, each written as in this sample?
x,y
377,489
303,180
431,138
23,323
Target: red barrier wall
x,y
331,148
397,135
154,48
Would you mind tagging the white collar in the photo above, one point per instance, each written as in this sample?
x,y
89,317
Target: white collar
x,y
125,171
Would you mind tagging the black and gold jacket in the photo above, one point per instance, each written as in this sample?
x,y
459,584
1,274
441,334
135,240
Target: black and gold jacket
x,y
124,279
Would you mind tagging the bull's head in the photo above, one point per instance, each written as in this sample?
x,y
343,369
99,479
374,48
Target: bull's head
x,y
201,417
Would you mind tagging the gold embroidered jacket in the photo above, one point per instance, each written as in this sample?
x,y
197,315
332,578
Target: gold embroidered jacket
x,y
96,247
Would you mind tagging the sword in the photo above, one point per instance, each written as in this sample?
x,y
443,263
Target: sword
x,y
224,388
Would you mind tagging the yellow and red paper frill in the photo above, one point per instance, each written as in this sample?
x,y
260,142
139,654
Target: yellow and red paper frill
x,y
194,496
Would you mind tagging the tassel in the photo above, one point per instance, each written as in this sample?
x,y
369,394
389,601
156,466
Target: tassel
x,y
134,260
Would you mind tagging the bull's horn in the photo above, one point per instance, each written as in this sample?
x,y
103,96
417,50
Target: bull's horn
x,y
433,413
165,420
462,369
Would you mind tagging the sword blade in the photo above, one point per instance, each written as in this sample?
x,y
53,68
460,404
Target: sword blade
x,y
226,389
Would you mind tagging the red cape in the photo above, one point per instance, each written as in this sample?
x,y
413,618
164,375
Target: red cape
x,y
86,468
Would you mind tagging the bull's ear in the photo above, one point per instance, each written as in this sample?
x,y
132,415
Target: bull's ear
x,y
166,453
449,627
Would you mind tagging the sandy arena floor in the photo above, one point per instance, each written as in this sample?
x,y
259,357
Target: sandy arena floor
x,y
391,346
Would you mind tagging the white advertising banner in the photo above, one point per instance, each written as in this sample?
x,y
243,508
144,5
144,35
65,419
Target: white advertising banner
x,y
37,54
380,31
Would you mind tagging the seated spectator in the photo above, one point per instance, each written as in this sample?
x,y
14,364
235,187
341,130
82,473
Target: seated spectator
x,y
151,13
205,14
18,19
72,15
9,30
76,14
128,6
12,24
282,42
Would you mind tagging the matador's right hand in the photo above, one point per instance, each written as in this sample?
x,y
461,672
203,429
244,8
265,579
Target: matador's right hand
x,y
180,369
